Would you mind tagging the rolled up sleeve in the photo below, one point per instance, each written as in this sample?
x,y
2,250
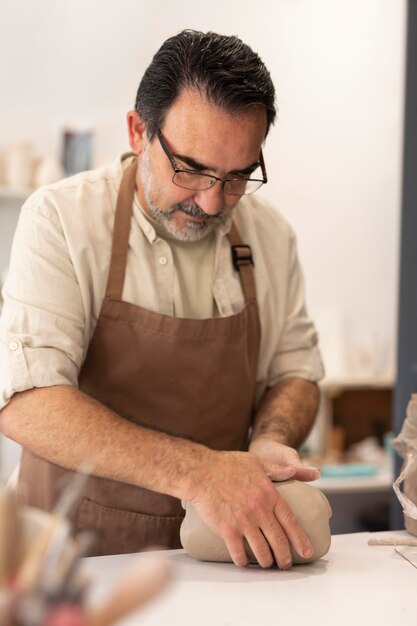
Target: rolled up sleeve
x,y
297,353
42,324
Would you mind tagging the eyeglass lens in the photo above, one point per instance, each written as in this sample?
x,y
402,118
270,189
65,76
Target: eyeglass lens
x,y
201,182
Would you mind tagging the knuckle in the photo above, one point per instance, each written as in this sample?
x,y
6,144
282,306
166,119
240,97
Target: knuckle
x,y
262,553
289,518
281,541
284,514
256,502
241,519
264,558
263,499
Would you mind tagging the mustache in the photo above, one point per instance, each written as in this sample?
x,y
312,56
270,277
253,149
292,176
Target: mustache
x,y
195,211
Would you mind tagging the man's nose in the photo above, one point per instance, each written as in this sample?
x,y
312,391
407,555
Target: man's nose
x,y
211,200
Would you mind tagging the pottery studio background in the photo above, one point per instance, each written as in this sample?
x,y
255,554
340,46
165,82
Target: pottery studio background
x,y
333,157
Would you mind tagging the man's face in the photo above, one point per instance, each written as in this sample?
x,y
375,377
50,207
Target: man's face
x,y
202,138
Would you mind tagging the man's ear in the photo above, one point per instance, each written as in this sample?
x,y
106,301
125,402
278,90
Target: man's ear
x,y
137,132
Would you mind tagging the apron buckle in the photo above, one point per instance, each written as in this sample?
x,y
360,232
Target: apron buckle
x,y
241,255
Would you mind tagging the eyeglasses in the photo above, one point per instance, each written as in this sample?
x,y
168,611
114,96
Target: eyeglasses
x,y
195,181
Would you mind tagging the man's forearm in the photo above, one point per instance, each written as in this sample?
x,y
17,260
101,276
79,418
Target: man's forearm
x,y
287,412
232,491
65,426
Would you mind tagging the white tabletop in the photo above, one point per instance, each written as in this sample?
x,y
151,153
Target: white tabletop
x,y
354,584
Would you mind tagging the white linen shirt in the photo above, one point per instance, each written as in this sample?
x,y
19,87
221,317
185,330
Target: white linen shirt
x,y
58,271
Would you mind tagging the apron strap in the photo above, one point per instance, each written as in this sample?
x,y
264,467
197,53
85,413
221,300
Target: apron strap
x,y
241,253
243,263
121,231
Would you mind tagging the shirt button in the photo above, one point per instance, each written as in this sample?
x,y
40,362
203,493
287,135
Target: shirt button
x,y
13,345
163,260
148,228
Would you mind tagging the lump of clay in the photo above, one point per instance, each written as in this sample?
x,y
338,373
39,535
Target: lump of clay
x,y
308,503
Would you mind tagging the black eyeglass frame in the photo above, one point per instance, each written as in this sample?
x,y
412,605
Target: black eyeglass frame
x,y
178,170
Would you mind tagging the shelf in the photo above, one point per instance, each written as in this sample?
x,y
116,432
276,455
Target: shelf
x,y
382,481
16,195
334,386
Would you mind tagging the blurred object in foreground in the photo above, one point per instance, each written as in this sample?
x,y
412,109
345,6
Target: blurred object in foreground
x,y
42,582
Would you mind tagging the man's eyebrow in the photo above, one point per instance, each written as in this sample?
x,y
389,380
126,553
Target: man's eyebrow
x,y
193,163
247,170
196,165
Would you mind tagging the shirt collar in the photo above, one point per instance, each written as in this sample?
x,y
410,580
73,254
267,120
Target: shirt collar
x,y
144,222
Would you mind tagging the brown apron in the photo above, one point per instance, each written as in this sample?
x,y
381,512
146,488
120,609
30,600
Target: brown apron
x,y
191,378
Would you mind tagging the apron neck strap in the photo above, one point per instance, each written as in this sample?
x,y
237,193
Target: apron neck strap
x,y
121,231
243,263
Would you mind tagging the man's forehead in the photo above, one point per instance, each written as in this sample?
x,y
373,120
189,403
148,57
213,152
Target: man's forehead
x,y
213,137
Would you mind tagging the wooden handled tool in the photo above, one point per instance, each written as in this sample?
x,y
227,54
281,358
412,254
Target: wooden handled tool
x,y
393,541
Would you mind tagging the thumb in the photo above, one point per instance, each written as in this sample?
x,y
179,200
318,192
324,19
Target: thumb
x,y
279,472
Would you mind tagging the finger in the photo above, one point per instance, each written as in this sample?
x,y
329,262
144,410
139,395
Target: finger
x,y
278,543
292,528
279,472
303,472
260,548
234,544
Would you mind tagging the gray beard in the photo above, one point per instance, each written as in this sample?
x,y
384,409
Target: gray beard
x,y
191,230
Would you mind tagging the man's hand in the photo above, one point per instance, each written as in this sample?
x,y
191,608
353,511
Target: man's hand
x,y
270,451
239,502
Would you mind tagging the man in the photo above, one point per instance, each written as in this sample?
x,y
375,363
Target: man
x,y
138,334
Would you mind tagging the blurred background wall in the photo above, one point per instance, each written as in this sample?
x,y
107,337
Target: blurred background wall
x,y
333,157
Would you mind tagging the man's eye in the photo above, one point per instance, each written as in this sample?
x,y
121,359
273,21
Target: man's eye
x,y
192,172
